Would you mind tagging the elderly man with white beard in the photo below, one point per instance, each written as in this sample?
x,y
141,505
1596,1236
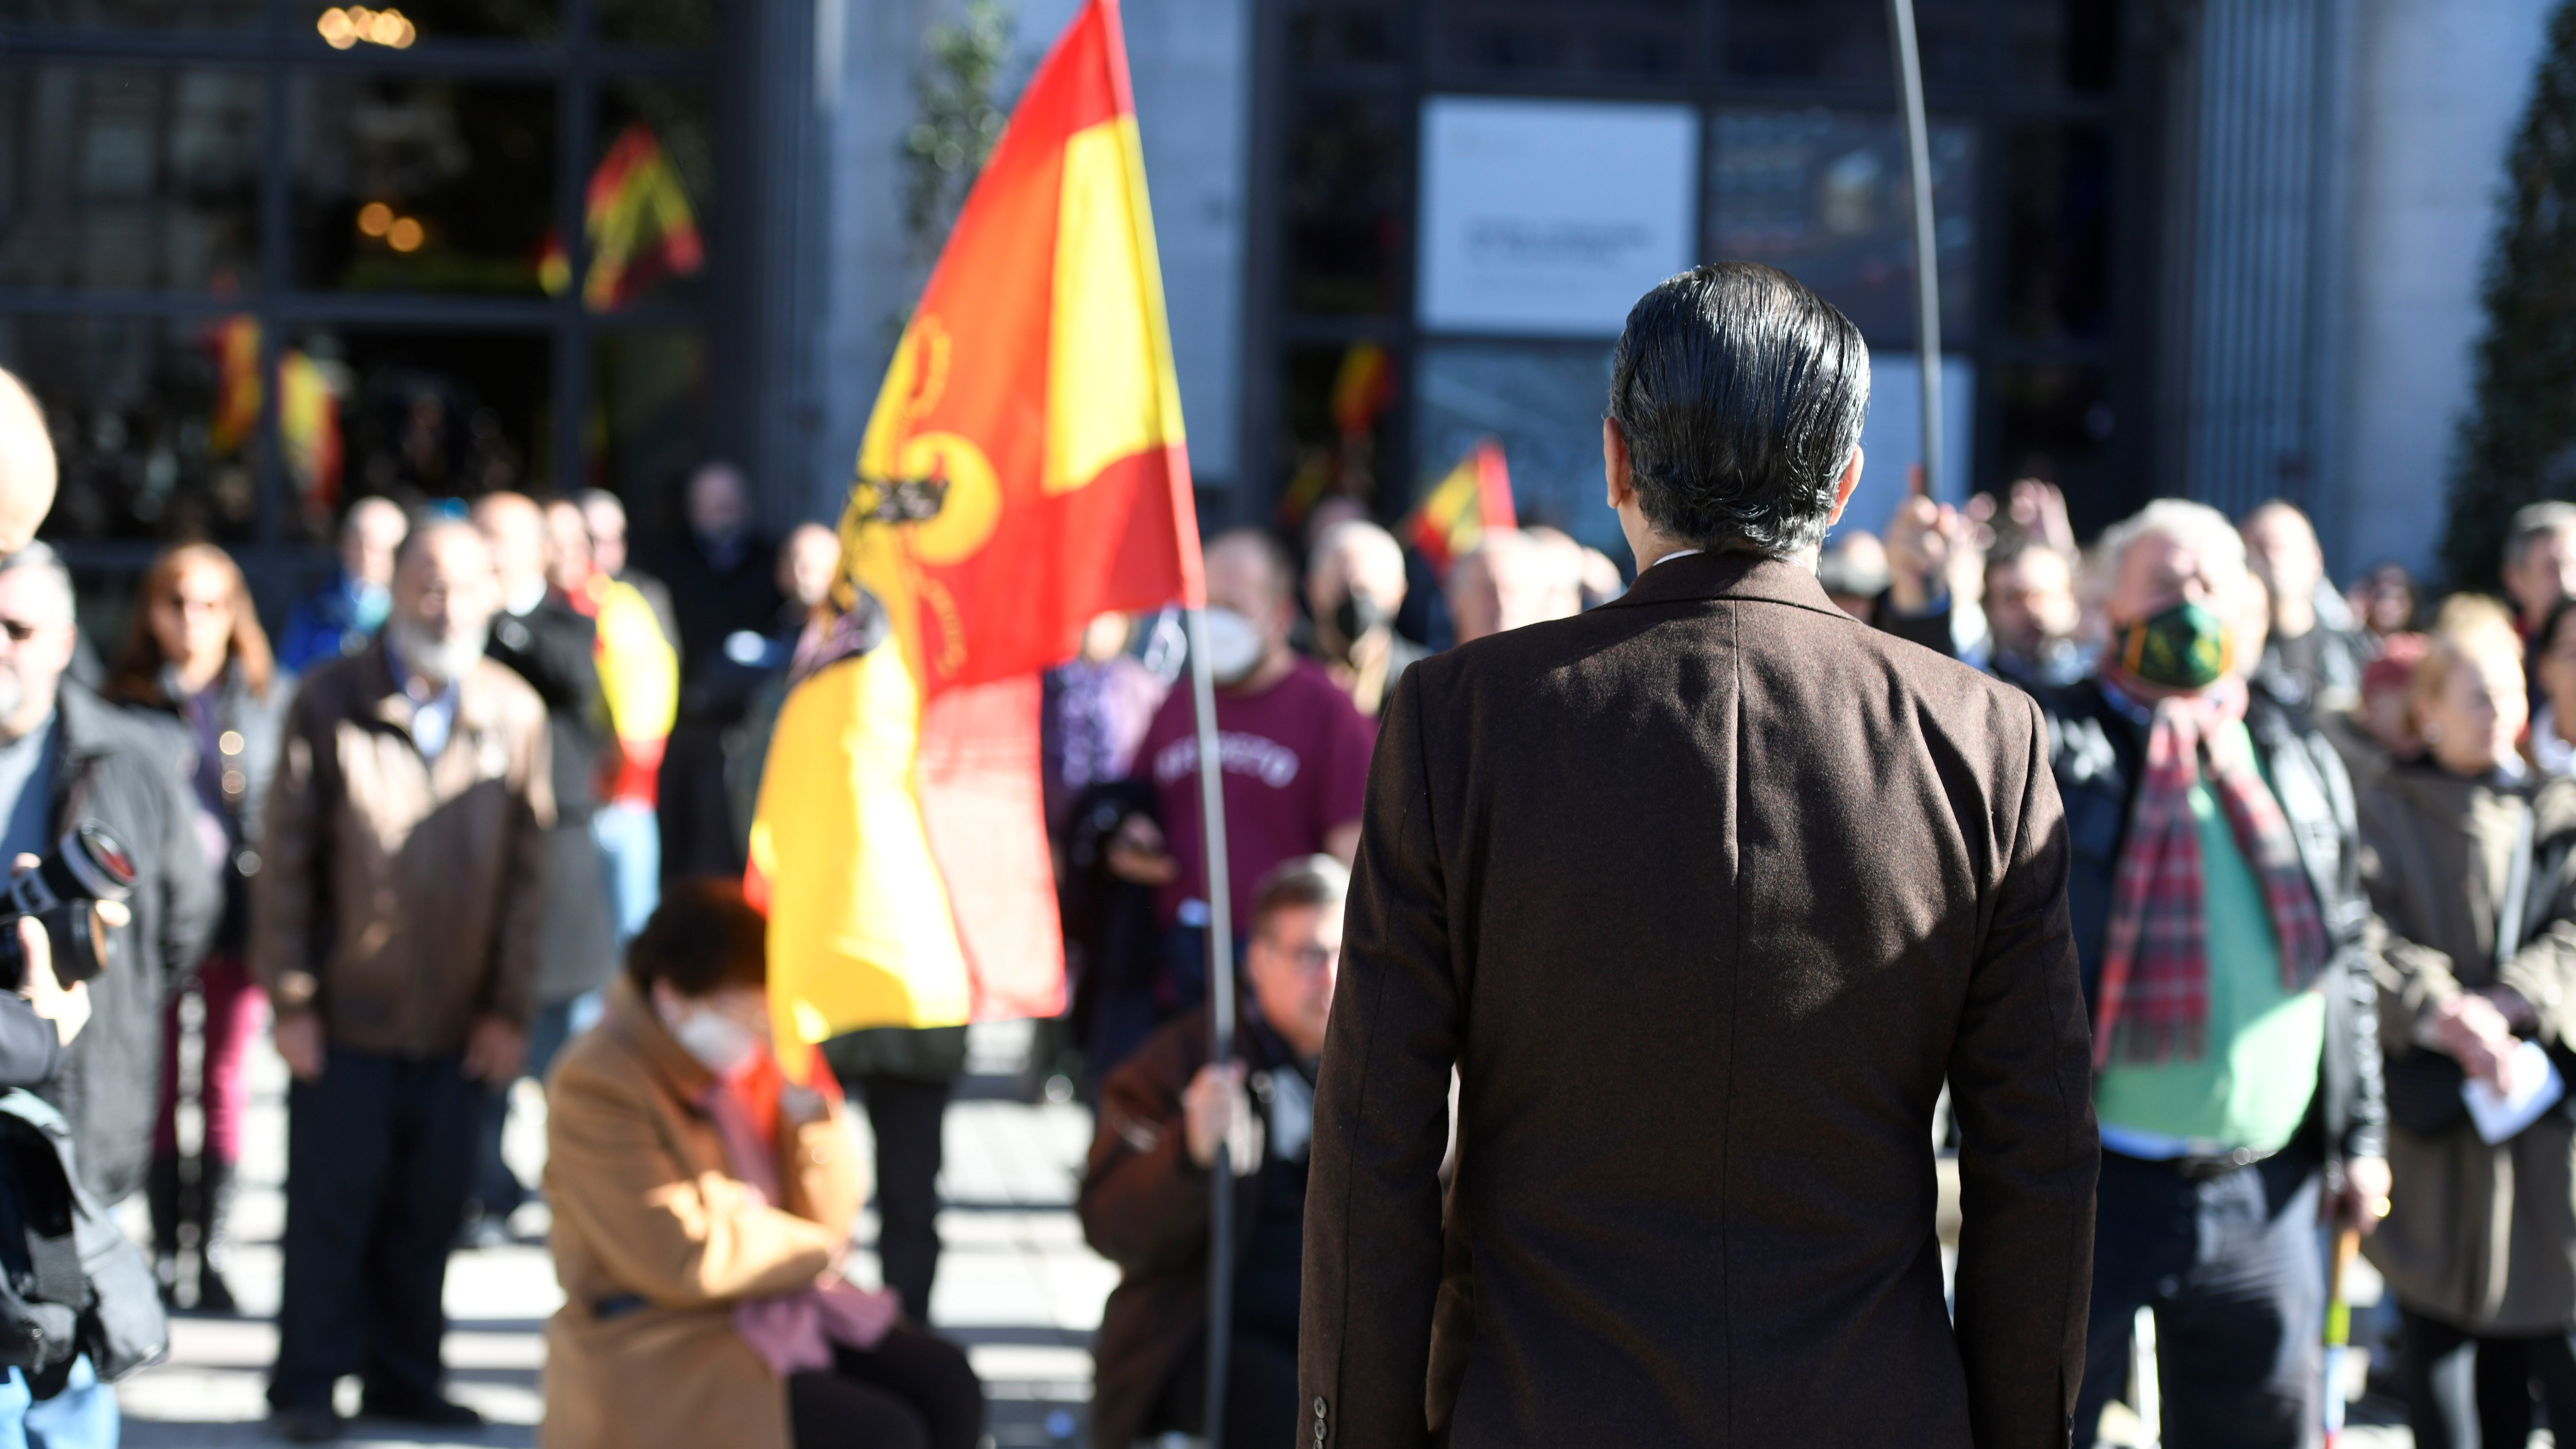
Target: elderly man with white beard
x,y
395,925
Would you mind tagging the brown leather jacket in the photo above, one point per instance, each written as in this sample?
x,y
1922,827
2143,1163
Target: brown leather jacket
x,y
401,896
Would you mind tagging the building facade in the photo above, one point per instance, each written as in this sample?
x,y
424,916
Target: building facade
x,y
258,257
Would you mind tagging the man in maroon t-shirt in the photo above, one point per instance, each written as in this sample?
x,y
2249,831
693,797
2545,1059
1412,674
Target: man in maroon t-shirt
x,y
1293,752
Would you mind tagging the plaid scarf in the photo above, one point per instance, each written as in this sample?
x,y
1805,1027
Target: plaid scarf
x,y
2154,996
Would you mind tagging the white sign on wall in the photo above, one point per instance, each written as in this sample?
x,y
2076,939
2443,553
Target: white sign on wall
x,y
1551,218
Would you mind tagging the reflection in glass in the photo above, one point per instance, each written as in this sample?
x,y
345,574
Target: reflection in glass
x,y
1336,425
680,23
1824,197
129,177
645,203
443,414
1542,401
146,416
1342,32
2057,240
422,185
648,418
435,20
1846,41
1631,38
137,14
1346,164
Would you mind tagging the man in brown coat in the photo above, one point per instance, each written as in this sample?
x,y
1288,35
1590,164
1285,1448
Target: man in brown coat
x,y
1705,894
394,924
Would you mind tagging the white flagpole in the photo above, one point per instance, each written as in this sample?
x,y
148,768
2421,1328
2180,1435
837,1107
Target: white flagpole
x,y
1927,258
1220,968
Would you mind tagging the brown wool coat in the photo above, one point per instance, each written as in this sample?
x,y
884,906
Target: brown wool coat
x,y
1704,893
2480,1237
400,896
644,1205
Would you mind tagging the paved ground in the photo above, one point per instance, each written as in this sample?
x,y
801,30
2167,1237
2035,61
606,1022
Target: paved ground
x,y
1016,1286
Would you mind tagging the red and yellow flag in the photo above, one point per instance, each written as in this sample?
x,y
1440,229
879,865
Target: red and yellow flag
x,y
641,228
308,410
1452,518
899,835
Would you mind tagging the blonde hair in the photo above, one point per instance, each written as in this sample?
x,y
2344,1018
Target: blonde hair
x,y
2470,627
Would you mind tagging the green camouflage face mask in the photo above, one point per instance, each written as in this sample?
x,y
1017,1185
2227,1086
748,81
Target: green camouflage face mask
x,y
2186,647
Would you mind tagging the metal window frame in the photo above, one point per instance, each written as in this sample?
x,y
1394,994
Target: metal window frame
x,y
2130,110
283,49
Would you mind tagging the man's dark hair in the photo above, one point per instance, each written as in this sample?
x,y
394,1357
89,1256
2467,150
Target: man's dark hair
x,y
702,938
1304,881
1740,394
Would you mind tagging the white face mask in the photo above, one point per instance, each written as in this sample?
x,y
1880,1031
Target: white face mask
x,y
721,1044
1234,646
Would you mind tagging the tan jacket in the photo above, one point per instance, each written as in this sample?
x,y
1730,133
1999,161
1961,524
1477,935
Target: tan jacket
x,y
2481,1237
402,896
645,1208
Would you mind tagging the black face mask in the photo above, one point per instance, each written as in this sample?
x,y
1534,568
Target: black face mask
x,y
1355,616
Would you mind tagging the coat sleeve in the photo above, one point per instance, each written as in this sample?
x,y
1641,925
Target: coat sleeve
x,y
2412,978
511,994
286,905
1144,1203
1373,1240
2544,970
823,1178
680,1240
2021,1092
192,899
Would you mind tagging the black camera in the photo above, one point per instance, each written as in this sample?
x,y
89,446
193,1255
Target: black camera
x,y
89,866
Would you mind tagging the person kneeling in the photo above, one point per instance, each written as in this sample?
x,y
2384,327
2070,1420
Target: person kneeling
x,y
702,1209
1145,1197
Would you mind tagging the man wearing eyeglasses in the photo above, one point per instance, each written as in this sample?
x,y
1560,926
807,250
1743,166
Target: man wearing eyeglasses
x,y
1145,1198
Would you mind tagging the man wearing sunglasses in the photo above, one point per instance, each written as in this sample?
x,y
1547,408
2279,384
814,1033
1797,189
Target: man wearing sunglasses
x,y
1144,1201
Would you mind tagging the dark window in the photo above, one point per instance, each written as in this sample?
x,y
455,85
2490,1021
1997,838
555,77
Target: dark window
x,y
1845,41
2057,253
1824,196
1342,32
257,260
1635,39
2058,424
130,177
1348,179
422,185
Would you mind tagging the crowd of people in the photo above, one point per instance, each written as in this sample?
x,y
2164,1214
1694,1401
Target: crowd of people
x,y
474,818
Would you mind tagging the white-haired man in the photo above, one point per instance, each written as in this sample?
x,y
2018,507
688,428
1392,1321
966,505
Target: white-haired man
x,y
2220,926
395,923
1355,586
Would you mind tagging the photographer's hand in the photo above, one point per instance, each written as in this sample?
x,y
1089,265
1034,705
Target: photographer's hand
x,y
66,1007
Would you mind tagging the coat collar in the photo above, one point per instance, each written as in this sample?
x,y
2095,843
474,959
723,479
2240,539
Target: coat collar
x,y
477,707
1729,575
634,1021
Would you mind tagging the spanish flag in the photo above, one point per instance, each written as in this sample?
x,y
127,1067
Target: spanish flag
x,y
642,231
1452,518
899,839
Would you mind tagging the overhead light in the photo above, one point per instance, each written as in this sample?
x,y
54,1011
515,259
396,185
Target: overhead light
x,y
344,26
405,235
375,218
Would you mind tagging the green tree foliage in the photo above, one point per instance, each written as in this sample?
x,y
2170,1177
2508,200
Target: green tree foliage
x,y
2518,443
959,120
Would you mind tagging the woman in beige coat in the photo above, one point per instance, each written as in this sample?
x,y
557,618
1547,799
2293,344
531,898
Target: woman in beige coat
x,y
2480,1242
702,1210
